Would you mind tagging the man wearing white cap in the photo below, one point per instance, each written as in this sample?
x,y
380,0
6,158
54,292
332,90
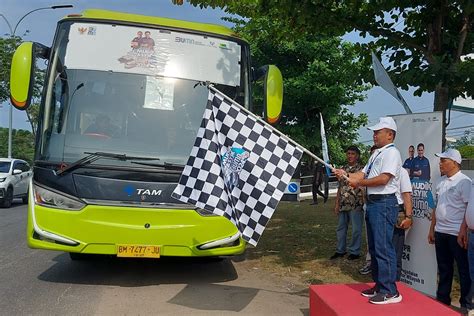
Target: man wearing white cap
x,y
380,176
448,229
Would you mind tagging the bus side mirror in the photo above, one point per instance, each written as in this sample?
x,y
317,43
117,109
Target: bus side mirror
x,y
22,73
273,92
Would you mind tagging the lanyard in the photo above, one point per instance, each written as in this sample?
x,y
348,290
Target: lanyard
x,y
369,167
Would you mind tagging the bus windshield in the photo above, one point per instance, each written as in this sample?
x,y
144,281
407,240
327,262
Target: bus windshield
x,y
143,96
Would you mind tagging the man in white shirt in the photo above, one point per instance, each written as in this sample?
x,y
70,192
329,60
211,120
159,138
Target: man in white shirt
x,y
448,229
380,176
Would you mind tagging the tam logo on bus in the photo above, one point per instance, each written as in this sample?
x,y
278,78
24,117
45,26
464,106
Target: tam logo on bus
x,y
139,191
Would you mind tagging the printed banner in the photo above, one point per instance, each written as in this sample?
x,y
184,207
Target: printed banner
x,y
423,131
149,51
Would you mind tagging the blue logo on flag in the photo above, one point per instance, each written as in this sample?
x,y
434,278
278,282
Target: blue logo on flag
x,y
232,163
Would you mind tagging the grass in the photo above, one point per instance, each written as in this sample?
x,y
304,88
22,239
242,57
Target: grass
x,y
299,240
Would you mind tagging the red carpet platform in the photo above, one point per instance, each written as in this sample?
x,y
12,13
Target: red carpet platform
x,y
345,299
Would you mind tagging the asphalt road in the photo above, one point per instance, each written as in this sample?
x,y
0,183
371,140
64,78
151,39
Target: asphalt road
x,y
38,282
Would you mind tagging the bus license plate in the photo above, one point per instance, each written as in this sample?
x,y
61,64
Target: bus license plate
x,y
141,251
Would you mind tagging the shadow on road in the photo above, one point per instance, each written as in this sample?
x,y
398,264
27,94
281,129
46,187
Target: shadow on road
x,y
199,275
103,270
214,297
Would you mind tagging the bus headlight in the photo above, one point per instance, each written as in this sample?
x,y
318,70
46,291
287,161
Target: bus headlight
x,y
49,198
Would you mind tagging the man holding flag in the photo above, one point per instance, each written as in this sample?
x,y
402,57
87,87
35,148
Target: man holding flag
x,y
380,176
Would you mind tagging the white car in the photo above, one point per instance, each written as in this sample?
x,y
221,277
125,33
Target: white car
x,y
15,175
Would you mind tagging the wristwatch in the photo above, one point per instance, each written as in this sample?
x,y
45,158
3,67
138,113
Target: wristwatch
x,y
409,216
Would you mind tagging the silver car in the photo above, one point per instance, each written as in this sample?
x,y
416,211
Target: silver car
x,y
15,175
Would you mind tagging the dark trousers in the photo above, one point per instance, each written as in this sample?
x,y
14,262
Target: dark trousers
x,y
316,187
398,243
470,257
448,250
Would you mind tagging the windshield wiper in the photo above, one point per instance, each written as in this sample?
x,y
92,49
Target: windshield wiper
x,y
164,165
91,157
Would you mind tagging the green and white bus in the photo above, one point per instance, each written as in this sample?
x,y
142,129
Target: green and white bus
x,y
122,101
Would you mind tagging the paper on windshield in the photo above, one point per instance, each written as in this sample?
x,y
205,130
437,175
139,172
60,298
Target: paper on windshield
x,y
159,94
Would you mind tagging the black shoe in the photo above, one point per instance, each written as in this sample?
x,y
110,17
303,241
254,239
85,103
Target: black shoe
x,y
353,257
313,203
337,255
369,292
365,269
381,298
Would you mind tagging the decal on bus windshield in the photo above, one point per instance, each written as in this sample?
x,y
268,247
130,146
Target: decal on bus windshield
x,y
153,52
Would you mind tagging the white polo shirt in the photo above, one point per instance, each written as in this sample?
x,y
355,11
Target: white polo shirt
x,y
384,160
404,185
452,195
470,209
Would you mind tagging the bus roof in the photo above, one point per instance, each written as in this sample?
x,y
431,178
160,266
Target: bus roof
x,y
106,15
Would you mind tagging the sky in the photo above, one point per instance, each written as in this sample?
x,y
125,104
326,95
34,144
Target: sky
x,y
41,26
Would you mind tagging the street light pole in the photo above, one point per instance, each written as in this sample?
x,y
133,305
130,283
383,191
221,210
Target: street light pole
x,y
8,23
12,35
10,114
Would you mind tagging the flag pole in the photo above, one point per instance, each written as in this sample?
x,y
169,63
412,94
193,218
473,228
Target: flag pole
x,y
211,87
324,143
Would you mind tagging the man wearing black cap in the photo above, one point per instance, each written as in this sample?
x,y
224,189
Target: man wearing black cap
x,y
380,176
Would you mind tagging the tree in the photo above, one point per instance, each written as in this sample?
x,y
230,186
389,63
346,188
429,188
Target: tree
x,y
320,76
466,151
8,46
32,113
24,144
466,139
465,144
424,39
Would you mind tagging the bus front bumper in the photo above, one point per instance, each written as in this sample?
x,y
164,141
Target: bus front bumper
x,y
100,229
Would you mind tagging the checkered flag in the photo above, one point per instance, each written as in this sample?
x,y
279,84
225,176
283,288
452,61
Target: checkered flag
x,y
238,167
